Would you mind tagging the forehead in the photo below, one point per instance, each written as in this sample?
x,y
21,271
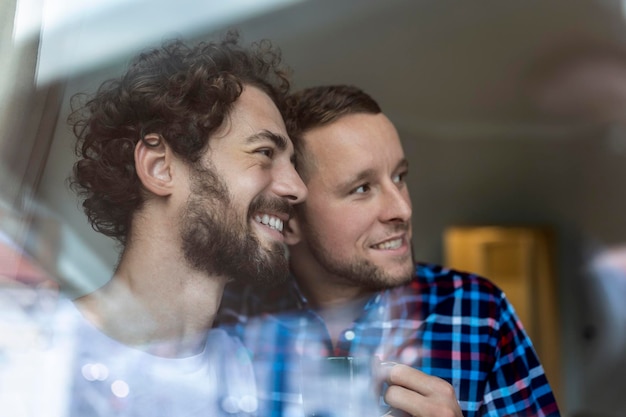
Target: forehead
x,y
253,114
354,143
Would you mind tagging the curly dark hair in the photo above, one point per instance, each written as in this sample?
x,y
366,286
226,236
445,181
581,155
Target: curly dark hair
x,y
318,106
180,92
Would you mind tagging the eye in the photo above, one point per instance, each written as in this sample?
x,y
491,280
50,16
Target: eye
x,y
399,178
268,152
362,189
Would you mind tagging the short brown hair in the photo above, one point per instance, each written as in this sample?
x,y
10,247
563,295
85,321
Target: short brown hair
x,y
318,106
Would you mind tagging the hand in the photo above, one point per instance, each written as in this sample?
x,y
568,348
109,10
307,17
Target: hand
x,y
417,394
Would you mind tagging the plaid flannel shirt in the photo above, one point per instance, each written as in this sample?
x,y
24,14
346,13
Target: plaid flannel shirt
x,y
446,323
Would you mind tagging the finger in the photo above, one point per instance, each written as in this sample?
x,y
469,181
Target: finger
x,y
404,400
413,404
411,378
442,404
418,381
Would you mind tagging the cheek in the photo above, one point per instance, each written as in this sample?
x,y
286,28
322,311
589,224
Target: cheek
x,y
248,187
337,227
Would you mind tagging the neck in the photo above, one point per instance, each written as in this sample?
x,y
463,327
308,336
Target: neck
x,y
341,314
155,302
337,301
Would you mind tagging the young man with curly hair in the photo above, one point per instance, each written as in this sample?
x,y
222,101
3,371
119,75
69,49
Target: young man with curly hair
x,y
186,162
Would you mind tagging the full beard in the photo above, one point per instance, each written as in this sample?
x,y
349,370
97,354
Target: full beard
x,y
216,241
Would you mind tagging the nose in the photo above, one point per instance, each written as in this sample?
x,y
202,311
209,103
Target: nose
x,y
396,204
288,184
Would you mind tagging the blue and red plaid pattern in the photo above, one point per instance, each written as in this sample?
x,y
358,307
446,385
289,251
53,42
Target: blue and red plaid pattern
x,y
450,324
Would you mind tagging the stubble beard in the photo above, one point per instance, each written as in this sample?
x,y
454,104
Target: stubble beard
x,y
217,242
358,271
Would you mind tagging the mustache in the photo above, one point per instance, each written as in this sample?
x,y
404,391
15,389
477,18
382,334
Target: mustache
x,y
393,229
399,227
270,204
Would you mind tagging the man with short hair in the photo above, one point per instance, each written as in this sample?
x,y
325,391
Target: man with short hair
x,y
358,292
185,160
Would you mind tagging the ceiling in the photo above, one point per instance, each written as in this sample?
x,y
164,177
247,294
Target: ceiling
x,y
433,64
449,67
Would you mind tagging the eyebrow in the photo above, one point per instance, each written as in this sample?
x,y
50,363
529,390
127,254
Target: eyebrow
x,y
279,140
403,164
369,173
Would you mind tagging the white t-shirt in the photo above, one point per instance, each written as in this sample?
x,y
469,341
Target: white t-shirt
x,y
54,363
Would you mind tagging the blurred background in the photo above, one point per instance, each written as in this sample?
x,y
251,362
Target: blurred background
x,y
512,114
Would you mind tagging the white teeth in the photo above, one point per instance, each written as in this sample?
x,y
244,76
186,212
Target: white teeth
x,y
272,222
390,244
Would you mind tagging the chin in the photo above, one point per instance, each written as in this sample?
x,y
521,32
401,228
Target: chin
x,y
402,276
400,279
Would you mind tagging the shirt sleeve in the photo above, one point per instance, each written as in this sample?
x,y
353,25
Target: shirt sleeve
x,y
517,385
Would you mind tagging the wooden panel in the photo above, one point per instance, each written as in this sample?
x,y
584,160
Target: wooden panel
x,y
508,261
519,260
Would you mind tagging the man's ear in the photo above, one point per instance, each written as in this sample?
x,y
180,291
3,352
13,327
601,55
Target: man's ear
x,y
293,235
153,163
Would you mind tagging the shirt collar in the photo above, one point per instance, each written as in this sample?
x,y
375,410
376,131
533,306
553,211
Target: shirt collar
x,y
296,292
375,305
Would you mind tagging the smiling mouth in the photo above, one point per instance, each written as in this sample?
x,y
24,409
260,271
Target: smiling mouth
x,y
270,221
389,244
